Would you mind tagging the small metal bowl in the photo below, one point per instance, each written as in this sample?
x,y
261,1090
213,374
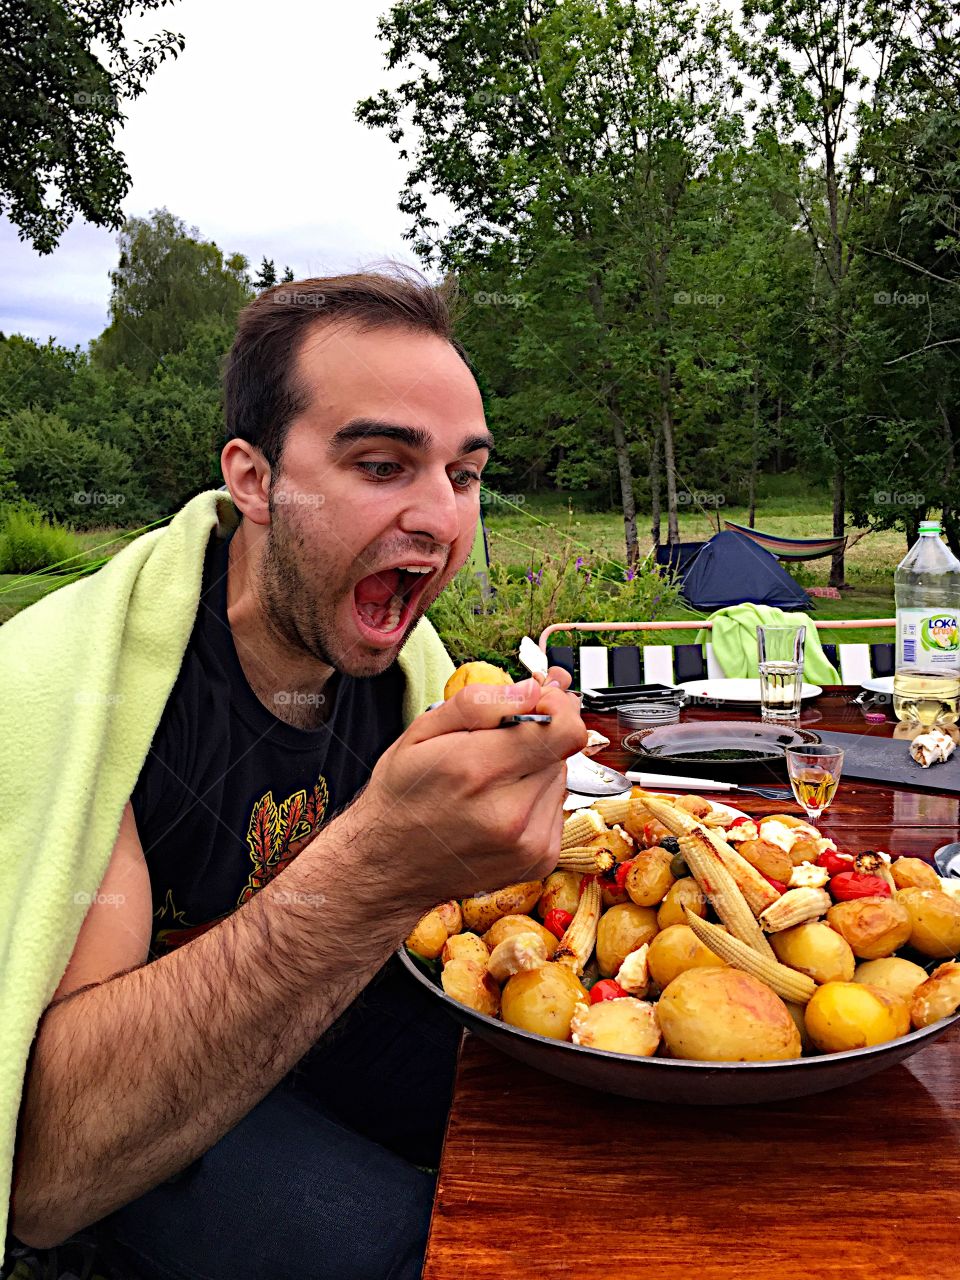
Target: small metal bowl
x,y
672,1080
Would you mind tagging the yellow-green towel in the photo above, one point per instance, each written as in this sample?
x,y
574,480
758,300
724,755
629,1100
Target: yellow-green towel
x,y
87,672
734,640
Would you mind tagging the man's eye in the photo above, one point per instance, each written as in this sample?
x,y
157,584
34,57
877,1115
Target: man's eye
x,y
380,470
464,479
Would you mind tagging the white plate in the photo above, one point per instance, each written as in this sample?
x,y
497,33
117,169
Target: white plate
x,y
574,801
879,684
738,689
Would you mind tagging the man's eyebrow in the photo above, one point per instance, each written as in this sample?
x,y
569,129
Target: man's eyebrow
x,y
413,437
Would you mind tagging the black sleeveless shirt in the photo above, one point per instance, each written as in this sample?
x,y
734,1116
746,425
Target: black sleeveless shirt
x,y
229,794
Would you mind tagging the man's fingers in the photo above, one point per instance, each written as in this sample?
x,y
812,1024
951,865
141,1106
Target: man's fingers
x,y
559,676
478,706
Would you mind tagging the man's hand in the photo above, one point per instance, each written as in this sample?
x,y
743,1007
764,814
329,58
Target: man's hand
x,y
473,806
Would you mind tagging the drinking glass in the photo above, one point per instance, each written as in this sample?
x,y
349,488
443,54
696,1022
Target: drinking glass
x,y
780,660
814,773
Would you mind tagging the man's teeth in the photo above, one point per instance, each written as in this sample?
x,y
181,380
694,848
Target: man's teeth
x,y
394,611
414,568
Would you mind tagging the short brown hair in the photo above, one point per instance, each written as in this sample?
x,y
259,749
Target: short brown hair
x,y
261,391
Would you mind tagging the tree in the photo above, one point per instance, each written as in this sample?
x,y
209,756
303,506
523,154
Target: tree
x,y
565,134
167,280
287,275
66,70
267,275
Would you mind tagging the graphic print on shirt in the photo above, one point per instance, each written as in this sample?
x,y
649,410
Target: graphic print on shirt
x,y
275,835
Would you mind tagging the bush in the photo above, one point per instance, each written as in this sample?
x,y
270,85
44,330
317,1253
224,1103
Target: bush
x,y
523,603
28,543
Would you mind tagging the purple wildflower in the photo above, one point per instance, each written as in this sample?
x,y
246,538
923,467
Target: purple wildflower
x,y
629,574
579,562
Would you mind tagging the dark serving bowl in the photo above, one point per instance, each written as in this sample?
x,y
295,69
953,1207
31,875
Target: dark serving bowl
x,y
723,743
670,1080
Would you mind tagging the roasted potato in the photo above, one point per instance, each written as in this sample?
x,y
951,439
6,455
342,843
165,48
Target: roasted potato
x,y
804,850
474,673
465,946
725,1015
894,974
561,892
543,1000
470,983
769,859
433,929
616,840
677,949
622,929
938,997
696,805
816,950
620,1026
483,910
935,921
682,893
852,1015
642,827
914,873
874,927
649,877
507,926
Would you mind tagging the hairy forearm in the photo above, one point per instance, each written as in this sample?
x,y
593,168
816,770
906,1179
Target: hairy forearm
x,y
134,1078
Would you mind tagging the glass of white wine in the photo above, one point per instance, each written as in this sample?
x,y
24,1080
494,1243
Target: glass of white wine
x,y
814,773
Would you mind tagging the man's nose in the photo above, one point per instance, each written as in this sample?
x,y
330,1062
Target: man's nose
x,y
432,510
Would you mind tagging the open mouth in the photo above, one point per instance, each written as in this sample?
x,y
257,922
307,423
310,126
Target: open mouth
x,y
384,602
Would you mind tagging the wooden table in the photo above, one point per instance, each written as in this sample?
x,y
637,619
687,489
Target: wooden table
x,y
540,1178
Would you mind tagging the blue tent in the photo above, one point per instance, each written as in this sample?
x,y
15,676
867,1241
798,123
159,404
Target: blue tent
x,y
731,569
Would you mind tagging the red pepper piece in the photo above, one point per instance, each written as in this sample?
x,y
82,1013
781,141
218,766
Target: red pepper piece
x,y
606,989
853,884
621,872
738,822
557,921
835,861
777,884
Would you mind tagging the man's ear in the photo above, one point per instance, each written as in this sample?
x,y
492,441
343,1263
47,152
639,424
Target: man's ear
x,y
247,475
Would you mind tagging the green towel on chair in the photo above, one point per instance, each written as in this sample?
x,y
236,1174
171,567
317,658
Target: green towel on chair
x,y
87,672
734,640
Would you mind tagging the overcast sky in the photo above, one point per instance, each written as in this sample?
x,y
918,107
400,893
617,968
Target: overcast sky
x,y
249,135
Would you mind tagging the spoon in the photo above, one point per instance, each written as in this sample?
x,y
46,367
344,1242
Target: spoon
x,y
947,860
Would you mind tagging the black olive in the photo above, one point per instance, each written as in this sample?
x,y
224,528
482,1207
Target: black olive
x,y
670,843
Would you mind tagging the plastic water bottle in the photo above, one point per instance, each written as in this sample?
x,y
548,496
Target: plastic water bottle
x,y
927,590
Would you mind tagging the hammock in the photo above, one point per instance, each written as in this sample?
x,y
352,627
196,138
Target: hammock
x,y
790,548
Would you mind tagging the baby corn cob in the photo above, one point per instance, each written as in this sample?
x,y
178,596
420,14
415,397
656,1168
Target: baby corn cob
x,y
580,937
758,892
796,906
588,859
612,808
582,826
676,820
710,873
787,983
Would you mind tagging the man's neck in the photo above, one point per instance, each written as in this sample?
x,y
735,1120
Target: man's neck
x,y
292,685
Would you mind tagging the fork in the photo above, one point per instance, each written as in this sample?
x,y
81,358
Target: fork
x,y
767,793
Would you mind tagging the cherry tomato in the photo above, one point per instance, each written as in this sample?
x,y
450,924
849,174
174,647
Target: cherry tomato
x,y
852,884
777,884
606,989
621,871
557,921
738,822
835,861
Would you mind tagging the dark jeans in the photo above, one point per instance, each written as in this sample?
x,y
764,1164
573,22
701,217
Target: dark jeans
x,y
320,1179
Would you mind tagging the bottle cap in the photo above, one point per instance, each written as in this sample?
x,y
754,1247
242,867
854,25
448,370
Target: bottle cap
x,y
930,526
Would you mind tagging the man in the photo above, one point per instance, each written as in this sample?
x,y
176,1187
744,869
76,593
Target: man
x,y
286,833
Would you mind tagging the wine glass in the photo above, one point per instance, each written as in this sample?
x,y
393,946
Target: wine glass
x,y
814,773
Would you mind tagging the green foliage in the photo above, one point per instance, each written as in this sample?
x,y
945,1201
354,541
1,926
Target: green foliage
x,y
556,589
68,68
168,280
29,543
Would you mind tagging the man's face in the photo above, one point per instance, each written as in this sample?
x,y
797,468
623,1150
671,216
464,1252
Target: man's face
x,y
375,502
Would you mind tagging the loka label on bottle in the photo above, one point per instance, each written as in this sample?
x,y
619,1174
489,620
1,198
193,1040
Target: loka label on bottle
x,y
928,640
